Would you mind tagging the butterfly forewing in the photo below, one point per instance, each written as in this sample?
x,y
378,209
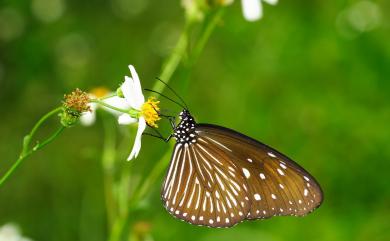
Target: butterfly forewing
x,y
218,177
277,185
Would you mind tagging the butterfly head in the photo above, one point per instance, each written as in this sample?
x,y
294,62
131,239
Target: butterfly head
x,y
185,130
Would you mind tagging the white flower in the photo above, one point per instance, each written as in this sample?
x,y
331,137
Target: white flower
x,y
131,108
132,92
10,232
253,9
147,111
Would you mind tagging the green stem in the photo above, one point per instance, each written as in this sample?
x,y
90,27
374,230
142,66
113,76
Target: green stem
x,y
207,30
98,101
28,138
27,153
107,97
171,64
117,229
48,140
150,180
108,162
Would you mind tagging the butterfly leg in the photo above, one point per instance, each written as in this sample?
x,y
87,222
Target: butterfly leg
x,y
158,135
171,119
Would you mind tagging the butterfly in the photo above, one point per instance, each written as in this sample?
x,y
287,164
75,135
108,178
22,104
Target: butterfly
x,y
218,177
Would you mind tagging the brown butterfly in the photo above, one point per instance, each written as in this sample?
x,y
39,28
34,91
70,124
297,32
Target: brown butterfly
x,y
218,177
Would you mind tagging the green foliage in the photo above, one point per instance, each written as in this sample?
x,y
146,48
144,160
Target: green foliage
x,y
310,79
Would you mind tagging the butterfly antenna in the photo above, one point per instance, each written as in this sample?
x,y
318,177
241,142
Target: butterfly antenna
x,y
174,92
181,105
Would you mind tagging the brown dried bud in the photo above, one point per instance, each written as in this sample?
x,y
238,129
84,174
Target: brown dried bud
x,y
77,101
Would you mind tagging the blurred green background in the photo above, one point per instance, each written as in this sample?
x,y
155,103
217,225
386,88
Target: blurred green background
x,y
311,79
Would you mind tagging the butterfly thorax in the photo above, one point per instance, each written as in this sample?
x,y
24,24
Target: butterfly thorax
x,y
184,132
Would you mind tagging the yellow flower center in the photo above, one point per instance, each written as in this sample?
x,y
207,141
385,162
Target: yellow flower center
x,y
149,111
100,92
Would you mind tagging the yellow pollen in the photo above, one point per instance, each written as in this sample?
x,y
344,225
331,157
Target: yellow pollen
x,y
149,111
100,92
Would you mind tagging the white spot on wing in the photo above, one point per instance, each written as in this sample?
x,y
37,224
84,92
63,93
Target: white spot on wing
x,y
271,154
257,197
246,172
280,172
262,176
273,196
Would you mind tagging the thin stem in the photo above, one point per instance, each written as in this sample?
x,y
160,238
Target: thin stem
x,y
205,34
117,229
28,138
150,180
108,162
26,154
48,140
171,64
108,96
109,106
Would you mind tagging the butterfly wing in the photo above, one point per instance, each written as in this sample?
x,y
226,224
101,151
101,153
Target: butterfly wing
x,y
225,177
277,185
202,190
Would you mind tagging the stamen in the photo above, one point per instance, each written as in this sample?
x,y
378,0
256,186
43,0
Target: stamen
x,y
149,111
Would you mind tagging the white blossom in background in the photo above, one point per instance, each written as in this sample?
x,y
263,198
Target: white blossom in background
x,y
253,9
11,232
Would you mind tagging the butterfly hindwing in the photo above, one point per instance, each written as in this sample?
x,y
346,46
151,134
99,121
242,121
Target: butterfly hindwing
x,y
204,190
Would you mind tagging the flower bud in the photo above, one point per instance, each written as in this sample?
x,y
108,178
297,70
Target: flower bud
x,y
69,117
74,104
119,93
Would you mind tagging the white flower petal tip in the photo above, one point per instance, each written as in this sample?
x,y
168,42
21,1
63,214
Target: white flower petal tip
x,y
252,10
137,142
126,119
138,95
132,90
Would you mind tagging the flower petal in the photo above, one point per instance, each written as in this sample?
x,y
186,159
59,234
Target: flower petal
x,y
272,2
252,9
139,97
128,91
137,142
116,102
126,119
88,118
